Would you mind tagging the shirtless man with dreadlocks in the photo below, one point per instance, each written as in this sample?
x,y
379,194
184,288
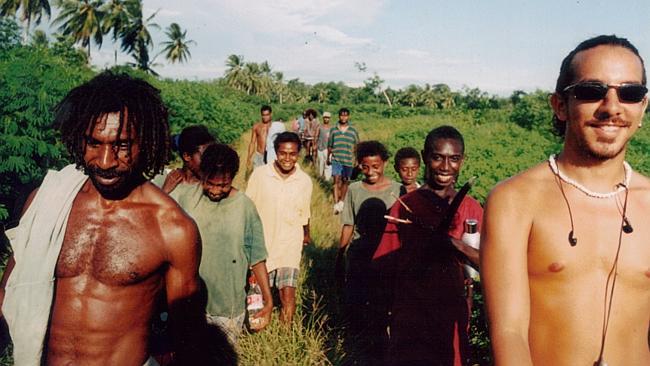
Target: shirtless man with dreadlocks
x,y
125,243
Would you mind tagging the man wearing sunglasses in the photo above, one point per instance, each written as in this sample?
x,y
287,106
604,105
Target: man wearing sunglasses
x,y
566,274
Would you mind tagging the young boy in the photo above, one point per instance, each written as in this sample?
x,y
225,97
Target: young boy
x,y
363,222
232,240
407,165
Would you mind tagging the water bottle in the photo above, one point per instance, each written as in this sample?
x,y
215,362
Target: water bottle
x,y
471,237
254,303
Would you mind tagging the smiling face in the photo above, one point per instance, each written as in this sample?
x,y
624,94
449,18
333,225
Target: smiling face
x,y
217,187
443,164
601,129
372,168
108,160
287,156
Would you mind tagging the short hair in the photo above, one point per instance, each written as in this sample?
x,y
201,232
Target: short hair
x,y
219,159
312,112
568,72
406,153
285,137
371,148
344,111
440,133
140,109
192,137
266,108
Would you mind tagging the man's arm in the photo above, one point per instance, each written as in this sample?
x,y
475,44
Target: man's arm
x,y
306,238
339,264
262,277
330,142
186,313
251,146
504,274
470,253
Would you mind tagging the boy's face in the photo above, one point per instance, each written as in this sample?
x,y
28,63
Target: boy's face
x,y
217,187
373,168
408,170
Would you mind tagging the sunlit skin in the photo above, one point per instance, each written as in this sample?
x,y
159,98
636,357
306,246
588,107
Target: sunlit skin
x,y
372,168
408,170
443,166
117,256
546,298
258,136
287,156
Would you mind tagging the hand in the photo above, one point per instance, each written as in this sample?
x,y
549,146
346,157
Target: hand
x,y
263,318
329,160
306,240
174,178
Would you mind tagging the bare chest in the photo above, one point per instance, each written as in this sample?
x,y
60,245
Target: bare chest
x,y
115,247
597,227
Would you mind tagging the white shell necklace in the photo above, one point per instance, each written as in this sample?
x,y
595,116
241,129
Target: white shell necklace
x,y
619,188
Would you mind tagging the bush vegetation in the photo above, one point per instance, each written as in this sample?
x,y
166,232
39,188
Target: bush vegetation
x,y
503,137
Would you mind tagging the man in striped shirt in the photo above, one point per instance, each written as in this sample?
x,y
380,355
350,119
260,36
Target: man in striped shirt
x,y
340,153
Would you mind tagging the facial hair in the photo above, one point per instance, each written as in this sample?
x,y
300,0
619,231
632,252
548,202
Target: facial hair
x,y
127,180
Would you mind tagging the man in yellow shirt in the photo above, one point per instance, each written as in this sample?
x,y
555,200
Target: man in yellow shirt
x,y
281,192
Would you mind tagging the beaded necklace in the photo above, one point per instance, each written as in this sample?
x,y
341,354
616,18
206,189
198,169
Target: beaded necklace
x,y
619,188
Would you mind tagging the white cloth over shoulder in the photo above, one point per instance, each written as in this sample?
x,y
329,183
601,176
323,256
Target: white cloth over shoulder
x,y
36,243
275,129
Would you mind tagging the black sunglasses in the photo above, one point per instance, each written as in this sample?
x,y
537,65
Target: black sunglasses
x,y
593,91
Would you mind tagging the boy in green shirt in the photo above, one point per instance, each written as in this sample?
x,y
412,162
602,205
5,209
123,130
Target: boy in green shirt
x,y
232,240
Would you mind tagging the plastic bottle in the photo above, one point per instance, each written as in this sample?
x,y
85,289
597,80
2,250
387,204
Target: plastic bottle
x,y
254,302
471,237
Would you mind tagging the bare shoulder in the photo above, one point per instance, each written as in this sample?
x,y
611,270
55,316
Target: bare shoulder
x,y
525,189
640,188
176,227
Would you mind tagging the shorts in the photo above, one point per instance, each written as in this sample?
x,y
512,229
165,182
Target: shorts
x,y
284,277
341,170
258,159
231,326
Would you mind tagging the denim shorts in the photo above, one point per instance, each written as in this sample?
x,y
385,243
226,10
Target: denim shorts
x,y
341,170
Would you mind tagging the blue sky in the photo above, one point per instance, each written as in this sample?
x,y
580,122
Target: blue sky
x,y
495,45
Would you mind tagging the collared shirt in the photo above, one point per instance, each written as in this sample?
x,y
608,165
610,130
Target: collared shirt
x,y
232,240
342,144
283,205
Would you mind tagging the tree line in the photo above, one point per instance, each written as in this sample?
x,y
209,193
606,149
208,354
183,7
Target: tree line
x,y
90,21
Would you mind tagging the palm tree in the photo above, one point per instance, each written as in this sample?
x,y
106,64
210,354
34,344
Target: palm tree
x,y
31,10
116,18
135,36
177,48
82,20
39,39
235,71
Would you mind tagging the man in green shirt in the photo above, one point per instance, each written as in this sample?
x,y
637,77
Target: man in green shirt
x,y
340,153
232,237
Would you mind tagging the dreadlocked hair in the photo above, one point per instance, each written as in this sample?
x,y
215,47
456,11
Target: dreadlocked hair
x,y
140,109
219,159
